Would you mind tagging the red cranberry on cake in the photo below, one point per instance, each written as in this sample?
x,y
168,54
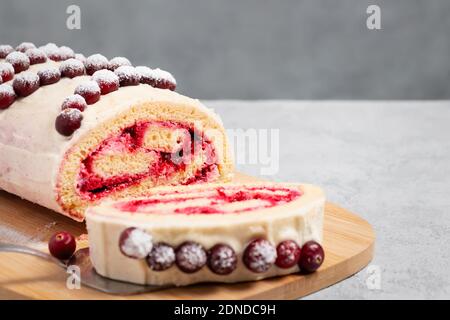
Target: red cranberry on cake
x,y
19,61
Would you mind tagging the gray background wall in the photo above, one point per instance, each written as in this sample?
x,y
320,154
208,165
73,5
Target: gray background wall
x,y
258,49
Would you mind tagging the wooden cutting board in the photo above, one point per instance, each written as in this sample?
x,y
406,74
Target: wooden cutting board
x,y
348,242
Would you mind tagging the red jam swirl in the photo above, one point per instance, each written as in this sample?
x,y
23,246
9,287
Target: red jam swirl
x,y
164,165
269,196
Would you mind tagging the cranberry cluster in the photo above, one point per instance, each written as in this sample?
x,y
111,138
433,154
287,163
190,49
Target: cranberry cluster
x,y
121,73
106,77
259,256
19,61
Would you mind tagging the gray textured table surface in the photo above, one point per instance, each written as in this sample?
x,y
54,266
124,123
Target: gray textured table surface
x,y
387,161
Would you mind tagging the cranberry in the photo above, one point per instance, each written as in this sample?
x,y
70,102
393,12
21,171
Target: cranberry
x,y
71,68
26,83
312,256
1,79
107,81
7,96
68,121
135,243
95,62
222,259
157,78
161,257
116,62
49,76
288,254
259,255
5,49
52,51
62,245
19,61
74,102
6,71
24,46
66,53
190,257
80,57
36,56
128,76
90,91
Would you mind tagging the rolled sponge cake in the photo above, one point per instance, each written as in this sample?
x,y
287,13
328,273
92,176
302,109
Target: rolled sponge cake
x,y
191,221
130,141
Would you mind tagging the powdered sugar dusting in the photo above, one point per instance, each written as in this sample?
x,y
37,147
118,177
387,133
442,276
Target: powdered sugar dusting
x,y
66,53
24,46
72,114
96,62
49,73
27,78
36,55
6,68
5,49
262,255
17,57
190,257
161,257
144,71
50,49
72,67
127,75
74,98
162,75
138,244
6,89
157,78
81,57
105,75
116,62
87,87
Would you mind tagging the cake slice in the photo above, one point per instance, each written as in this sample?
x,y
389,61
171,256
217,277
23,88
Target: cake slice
x,y
75,131
205,233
